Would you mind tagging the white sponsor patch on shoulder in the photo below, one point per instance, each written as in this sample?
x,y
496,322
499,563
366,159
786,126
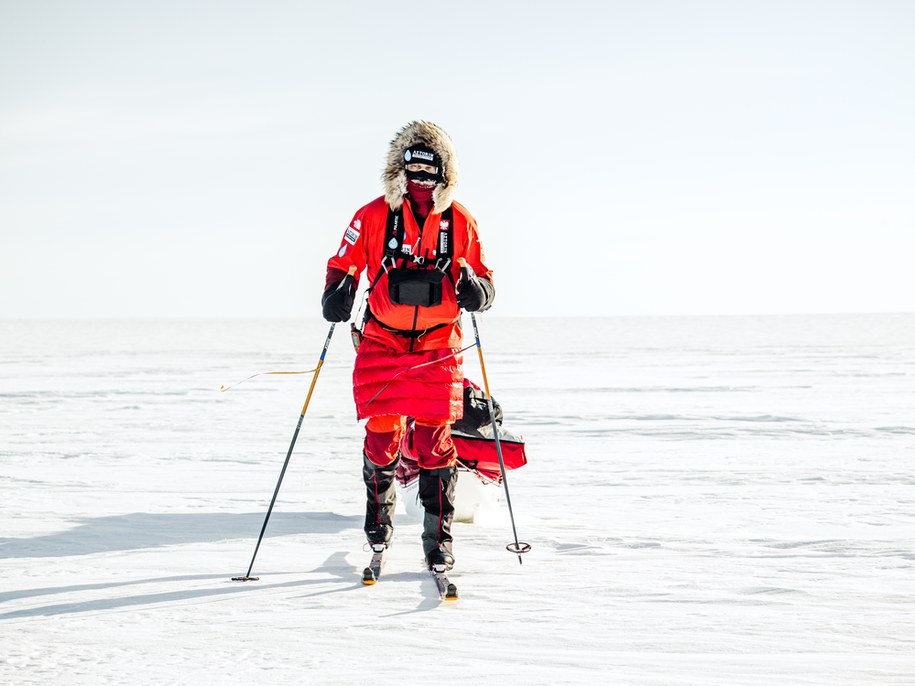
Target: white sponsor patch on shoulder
x,y
351,235
342,250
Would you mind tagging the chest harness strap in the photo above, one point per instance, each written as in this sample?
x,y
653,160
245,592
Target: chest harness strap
x,y
394,236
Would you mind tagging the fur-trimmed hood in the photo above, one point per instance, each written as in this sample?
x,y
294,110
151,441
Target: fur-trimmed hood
x,y
394,176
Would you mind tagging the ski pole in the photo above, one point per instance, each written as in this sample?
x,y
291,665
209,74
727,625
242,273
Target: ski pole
x,y
516,547
295,435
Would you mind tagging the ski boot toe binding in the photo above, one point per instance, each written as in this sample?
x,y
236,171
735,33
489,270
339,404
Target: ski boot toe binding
x,y
439,560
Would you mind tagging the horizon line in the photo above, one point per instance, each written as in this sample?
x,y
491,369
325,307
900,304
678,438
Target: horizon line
x,y
229,318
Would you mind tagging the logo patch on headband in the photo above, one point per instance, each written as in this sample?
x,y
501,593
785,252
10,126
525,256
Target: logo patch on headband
x,y
420,155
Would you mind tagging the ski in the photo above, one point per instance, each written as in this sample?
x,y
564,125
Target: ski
x,y
446,589
372,573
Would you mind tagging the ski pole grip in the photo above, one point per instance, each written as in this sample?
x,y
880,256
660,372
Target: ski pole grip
x,y
349,275
466,271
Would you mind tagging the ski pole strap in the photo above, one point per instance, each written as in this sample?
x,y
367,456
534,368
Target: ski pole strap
x,y
476,331
476,334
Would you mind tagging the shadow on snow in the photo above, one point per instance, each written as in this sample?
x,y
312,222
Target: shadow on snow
x,y
335,565
147,530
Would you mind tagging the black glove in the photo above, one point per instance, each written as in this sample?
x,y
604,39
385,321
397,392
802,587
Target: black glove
x,y
475,293
337,301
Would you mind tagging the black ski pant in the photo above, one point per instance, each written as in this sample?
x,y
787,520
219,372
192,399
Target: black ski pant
x,y
381,497
436,493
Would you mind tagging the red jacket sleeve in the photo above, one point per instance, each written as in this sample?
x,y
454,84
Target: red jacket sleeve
x,y
473,251
351,252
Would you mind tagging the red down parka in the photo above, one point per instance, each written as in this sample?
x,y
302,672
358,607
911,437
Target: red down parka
x,y
383,381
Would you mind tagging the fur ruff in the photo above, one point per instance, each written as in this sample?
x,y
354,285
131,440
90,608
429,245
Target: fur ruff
x,y
394,176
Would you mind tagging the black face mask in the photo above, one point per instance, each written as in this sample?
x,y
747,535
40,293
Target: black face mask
x,y
423,176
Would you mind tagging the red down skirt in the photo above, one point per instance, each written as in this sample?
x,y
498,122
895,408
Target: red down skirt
x,y
386,381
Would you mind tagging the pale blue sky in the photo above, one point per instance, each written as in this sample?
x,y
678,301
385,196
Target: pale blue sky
x,y
203,158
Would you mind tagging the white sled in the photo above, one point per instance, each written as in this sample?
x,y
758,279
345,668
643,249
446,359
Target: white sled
x,y
474,499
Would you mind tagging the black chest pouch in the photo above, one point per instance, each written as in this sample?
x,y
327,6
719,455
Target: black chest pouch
x,y
422,287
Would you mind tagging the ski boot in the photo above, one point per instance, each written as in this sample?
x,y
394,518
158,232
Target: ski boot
x,y
380,499
439,560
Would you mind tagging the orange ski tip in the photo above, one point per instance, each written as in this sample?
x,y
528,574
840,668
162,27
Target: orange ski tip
x,y
368,583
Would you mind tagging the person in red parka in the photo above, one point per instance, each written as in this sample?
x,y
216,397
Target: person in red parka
x,y
409,363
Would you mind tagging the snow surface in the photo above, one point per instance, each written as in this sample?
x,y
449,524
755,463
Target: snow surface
x,y
723,500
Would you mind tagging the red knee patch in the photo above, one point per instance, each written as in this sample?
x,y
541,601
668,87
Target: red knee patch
x,y
382,439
